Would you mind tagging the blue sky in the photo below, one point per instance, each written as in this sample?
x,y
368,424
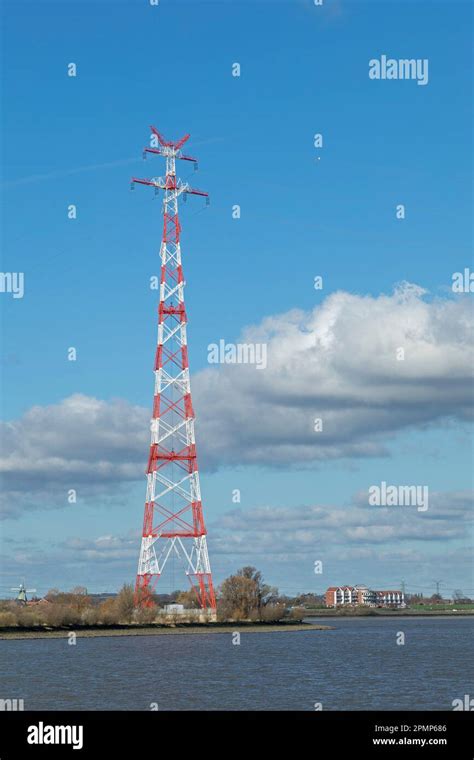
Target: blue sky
x,y
304,212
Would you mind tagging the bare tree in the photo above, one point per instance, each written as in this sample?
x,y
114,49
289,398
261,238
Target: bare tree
x,y
244,595
125,603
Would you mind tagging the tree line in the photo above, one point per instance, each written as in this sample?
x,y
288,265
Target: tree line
x,y
243,596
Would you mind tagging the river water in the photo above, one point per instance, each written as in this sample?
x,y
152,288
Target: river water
x,y
357,666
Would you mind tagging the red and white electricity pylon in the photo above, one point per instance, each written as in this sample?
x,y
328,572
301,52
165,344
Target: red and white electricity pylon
x,y
173,524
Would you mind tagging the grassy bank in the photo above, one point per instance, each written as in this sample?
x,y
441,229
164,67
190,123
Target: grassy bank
x,y
156,630
409,612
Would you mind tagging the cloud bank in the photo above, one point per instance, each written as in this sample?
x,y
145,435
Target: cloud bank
x,y
339,363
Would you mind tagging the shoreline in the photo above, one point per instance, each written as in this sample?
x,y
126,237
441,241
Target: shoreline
x,y
230,628
389,614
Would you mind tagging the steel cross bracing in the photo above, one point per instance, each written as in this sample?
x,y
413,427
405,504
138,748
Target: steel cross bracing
x,y
173,523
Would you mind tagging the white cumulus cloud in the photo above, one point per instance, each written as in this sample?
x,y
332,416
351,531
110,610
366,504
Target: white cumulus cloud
x,y
337,362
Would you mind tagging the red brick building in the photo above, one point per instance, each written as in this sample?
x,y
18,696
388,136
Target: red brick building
x,y
344,596
337,596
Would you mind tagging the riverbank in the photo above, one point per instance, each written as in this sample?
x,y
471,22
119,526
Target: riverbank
x,y
345,613
157,630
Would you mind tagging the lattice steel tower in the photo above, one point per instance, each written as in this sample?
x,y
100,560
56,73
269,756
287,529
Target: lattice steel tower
x,y
173,522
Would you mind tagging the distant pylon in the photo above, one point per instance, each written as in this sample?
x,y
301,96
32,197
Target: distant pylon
x,y
173,522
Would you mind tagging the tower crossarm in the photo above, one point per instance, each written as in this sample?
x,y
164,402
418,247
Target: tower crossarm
x,y
179,154
170,183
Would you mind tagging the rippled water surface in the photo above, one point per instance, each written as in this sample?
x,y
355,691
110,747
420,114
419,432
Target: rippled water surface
x,y
357,666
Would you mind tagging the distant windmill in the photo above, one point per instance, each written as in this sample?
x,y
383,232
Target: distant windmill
x,y
22,592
